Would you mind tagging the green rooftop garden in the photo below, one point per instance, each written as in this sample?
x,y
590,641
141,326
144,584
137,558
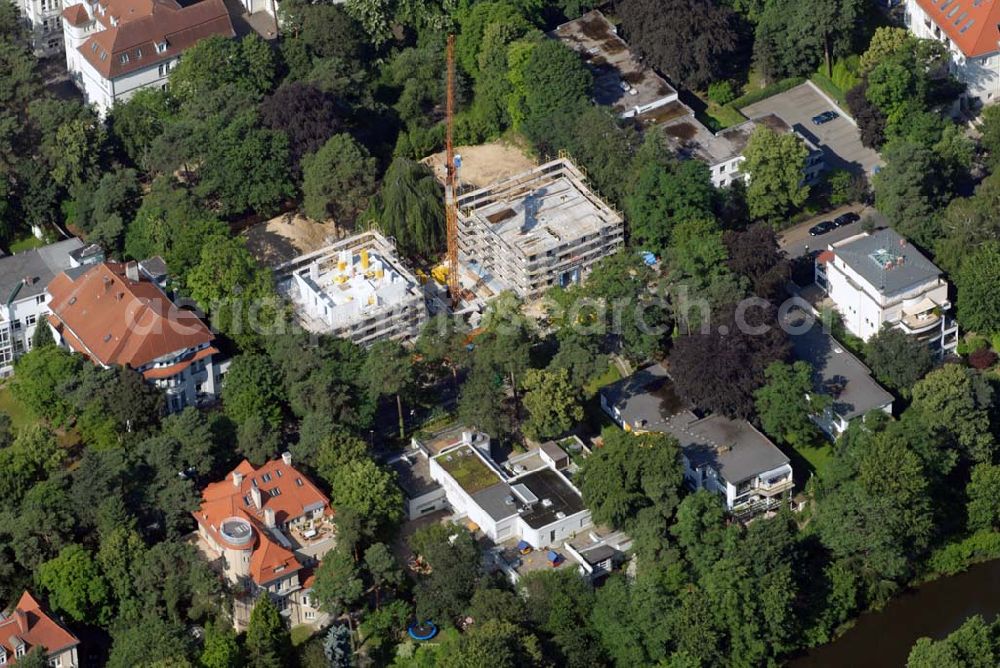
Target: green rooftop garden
x,y
467,469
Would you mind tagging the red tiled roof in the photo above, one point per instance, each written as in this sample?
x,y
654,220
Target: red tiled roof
x,y
167,371
76,15
142,24
825,256
114,320
973,25
296,496
29,622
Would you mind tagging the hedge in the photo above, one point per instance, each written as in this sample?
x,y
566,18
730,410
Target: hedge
x,y
767,91
956,557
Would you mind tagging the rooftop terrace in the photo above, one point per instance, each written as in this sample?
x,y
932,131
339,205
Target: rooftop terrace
x,y
621,81
468,469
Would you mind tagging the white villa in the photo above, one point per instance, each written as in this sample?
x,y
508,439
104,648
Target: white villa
x,y
878,279
968,28
45,26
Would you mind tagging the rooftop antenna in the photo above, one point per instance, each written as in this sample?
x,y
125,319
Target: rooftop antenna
x,y
451,212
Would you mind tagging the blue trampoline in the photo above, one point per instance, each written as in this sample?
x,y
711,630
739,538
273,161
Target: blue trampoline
x,y
424,631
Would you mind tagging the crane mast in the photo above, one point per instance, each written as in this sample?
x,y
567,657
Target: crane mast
x,y
450,206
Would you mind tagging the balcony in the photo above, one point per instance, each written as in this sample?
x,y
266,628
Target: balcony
x,y
771,489
918,323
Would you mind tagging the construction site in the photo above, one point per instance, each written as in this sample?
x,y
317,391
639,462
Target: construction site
x,y
355,289
528,233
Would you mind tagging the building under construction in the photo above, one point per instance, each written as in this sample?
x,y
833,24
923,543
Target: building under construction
x,y
530,232
355,289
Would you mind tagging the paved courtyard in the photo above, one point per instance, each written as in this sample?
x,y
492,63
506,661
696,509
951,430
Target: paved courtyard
x,y
839,138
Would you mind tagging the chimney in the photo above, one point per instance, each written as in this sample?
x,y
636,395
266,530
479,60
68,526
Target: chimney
x,y
132,271
269,518
286,457
255,495
237,479
467,437
22,620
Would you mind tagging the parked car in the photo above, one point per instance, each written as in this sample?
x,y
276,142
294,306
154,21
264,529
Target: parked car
x,y
846,219
825,117
821,228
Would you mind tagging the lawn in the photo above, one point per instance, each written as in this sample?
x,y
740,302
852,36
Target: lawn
x,y
301,634
610,375
27,243
826,85
818,457
723,116
20,416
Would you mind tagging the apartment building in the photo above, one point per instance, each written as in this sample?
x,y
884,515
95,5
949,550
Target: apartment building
x,y
26,626
116,314
968,29
268,528
24,278
44,25
117,47
877,279
727,457
533,231
355,289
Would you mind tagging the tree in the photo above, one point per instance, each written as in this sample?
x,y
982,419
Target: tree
x,y
215,62
338,450
886,41
792,38
267,641
989,140
75,585
481,401
909,189
975,644
898,360
337,647
632,475
369,492
338,586
149,642
42,336
548,79
444,593
787,402
33,455
42,375
553,403
977,300
967,224
252,388
382,568
688,40
240,294
957,401
664,193
719,369
494,643
409,207
755,254
337,180
307,115
222,650
774,163
870,119
982,490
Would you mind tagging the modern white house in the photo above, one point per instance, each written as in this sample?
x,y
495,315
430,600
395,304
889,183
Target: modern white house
x,y
117,47
116,314
727,457
356,289
24,278
968,29
723,151
877,279
269,527
44,25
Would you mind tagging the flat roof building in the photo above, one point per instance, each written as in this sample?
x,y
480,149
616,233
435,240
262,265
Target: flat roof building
x,y
533,231
356,289
723,151
725,456
621,80
881,279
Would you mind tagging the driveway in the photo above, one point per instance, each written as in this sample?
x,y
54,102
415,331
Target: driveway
x,y
796,242
839,138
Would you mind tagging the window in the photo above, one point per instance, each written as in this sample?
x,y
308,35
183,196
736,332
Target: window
x,y
164,69
161,47
20,650
31,320
124,58
310,614
266,477
298,481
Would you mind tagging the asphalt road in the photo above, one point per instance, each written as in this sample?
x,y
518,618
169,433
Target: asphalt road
x,y
838,138
795,241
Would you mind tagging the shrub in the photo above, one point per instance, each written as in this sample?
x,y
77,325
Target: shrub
x,y
956,557
721,92
845,73
983,358
767,91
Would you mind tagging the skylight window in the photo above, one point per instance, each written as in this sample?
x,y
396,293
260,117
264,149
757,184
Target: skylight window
x,y
967,25
298,481
161,47
124,58
947,3
886,258
954,10
275,492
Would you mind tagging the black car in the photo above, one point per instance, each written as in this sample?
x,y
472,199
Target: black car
x,y
825,117
846,219
821,228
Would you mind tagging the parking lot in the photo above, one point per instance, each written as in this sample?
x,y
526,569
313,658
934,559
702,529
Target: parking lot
x,y
838,138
